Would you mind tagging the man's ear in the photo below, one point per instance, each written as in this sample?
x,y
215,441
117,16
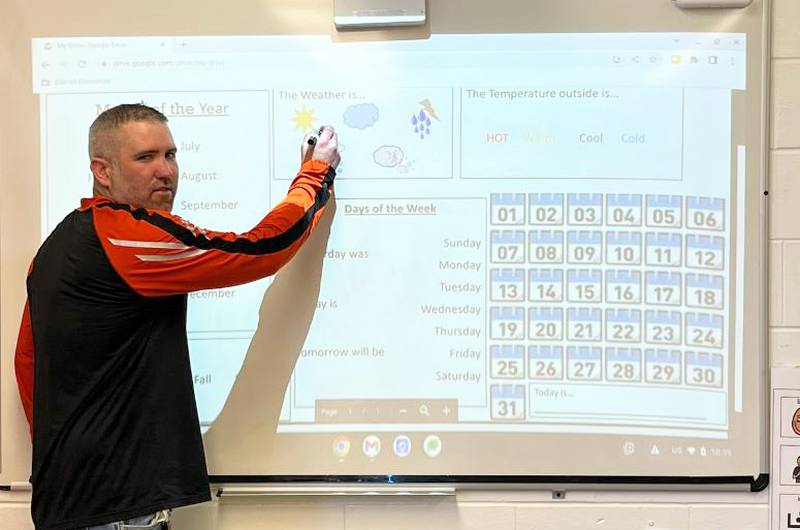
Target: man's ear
x,y
101,169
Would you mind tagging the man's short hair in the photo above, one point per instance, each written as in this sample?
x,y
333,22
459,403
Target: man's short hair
x,y
101,140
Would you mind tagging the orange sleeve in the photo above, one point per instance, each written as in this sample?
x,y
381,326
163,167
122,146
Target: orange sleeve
x,y
159,254
23,365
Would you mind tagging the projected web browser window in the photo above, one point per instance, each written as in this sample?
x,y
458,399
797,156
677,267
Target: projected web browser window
x,y
533,232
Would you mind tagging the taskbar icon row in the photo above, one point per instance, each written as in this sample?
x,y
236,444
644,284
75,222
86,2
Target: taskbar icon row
x,y
372,445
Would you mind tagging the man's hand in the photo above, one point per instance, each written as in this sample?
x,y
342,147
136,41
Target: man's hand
x,y
322,146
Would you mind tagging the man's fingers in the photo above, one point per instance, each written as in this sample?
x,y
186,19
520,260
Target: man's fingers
x,y
322,144
326,132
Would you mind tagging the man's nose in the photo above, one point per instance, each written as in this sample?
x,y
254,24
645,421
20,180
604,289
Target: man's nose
x,y
165,168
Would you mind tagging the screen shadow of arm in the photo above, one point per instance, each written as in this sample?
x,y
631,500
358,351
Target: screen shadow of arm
x,y
240,438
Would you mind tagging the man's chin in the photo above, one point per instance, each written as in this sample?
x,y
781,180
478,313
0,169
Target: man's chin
x,y
162,200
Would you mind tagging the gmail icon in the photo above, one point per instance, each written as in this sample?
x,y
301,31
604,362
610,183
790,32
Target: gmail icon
x,y
371,446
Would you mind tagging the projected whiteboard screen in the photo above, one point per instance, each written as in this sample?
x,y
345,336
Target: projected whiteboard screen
x,y
535,265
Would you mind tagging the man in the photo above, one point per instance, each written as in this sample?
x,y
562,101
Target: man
x,y
102,356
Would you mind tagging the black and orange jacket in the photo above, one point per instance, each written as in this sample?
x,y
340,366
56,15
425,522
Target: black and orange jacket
x,y
102,359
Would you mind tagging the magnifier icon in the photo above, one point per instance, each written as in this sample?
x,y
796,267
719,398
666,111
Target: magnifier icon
x,y
423,410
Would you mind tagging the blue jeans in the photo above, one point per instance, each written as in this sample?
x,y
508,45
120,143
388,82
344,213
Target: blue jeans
x,y
156,521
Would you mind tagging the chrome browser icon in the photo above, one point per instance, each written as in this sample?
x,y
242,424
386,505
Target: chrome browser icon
x,y
341,446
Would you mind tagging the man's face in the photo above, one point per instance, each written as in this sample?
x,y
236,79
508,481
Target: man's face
x,y
144,173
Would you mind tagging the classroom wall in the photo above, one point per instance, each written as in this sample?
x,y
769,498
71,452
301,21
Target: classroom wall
x,y
509,510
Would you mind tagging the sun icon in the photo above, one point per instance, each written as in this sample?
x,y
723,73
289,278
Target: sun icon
x,y
304,119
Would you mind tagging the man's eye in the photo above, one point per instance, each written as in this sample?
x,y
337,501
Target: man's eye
x,y
171,156
144,157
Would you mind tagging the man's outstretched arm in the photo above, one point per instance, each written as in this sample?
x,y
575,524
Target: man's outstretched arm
x,y
159,254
